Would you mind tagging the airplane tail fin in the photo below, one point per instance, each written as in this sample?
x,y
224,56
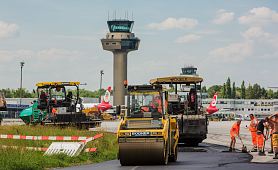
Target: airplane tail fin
x,y
212,107
107,95
105,104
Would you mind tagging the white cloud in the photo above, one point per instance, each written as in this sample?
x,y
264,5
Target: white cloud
x,y
235,52
10,56
207,32
171,23
274,42
50,55
261,38
188,38
223,17
55,53
259,16
8,30
256,42
78,37
255,32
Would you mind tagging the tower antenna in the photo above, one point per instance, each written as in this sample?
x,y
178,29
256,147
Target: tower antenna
x,y
132,16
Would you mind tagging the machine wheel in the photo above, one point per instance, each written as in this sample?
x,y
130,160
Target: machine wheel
x,y
174,157
193,142
123,163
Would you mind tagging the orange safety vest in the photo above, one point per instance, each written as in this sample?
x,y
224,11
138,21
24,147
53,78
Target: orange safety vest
x,y
253,125
234,130
54,111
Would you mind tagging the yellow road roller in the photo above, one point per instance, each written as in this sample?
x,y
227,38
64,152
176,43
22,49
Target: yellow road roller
x,y
147,134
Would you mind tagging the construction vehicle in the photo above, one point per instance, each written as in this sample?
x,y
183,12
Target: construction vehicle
x,y
3,103
100,110
57,107
147,134
185,103
3,106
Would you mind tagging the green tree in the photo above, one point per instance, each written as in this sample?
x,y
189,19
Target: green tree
x,y
11,93
256,91
243,95
223,93
7,93
228,88
204,89
263,93
275,95
211,91
249,92
270,94
22,93
89,93
234,91
238,92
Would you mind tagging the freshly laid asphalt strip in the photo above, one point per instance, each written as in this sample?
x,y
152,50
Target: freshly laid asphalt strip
x,y
206,156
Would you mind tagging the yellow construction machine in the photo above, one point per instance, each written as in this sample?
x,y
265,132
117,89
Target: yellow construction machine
x,y
185,102
147,134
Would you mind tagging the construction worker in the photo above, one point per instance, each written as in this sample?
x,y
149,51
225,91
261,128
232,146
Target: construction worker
x,y
271,125
234,132
261,135
1,119
253,131
273,121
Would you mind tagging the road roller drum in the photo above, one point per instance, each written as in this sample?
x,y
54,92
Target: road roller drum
x,y
131,153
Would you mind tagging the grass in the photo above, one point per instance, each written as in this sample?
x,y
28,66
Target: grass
x,y
22,159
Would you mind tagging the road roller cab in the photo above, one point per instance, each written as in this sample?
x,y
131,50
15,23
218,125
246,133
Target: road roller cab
x,y
147,134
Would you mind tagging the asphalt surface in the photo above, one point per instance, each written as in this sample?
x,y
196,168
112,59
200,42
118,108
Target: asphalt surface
x,y
206,156
211,154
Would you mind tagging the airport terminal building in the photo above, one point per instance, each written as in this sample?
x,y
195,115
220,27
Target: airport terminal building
x,y
244,107
240,107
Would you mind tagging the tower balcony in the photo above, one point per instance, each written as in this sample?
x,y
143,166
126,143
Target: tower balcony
x,y
120,44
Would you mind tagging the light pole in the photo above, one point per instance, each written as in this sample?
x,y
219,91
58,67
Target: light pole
x,y
100,85
20,92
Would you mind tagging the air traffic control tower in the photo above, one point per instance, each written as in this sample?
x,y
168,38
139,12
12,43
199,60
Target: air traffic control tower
x,y
120,40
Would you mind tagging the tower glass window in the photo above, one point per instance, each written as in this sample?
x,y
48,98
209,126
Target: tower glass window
x,y
120,26
188,71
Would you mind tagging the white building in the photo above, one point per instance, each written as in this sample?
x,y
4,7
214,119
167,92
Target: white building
x,y
244,107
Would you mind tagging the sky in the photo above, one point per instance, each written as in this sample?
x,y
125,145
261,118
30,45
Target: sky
x,y
59,40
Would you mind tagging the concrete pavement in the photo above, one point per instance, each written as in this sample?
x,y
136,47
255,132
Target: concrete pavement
x,y
219,134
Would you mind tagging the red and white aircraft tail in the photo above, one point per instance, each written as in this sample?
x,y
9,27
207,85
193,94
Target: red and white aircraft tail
x,y
212,107
105,104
